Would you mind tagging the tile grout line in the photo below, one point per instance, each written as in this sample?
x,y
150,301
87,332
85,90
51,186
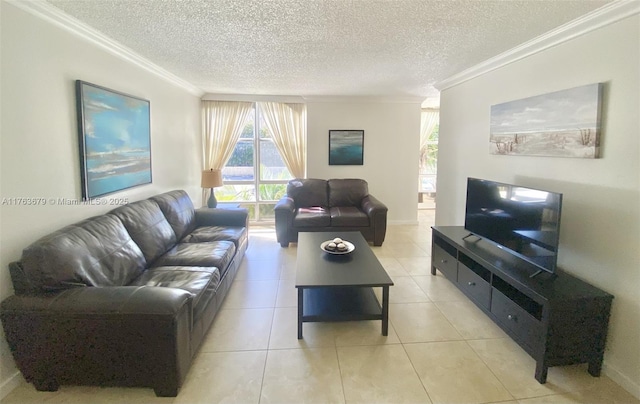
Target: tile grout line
x,y
266,358
416,372
491,370
344,393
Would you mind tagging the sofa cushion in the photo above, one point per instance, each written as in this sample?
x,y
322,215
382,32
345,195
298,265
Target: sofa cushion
x,y
94,252
148,227
206,254
348,216
308,192
347,192
178,210
216,233
201,282
311,217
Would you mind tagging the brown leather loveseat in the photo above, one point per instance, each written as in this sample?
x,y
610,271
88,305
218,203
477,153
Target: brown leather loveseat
x,y
125,298
325,205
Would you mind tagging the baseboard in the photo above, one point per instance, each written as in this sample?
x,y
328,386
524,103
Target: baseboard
x,y
402,222
11,383
625,382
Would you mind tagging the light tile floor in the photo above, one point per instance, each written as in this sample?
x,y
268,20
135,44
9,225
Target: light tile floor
x,y
440,347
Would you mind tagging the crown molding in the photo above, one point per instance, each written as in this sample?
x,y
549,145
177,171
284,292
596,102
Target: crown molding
x,y
603,16
55,16
364,99
293,99
313,98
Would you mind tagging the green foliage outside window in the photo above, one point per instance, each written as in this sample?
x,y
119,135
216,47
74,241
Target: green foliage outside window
x,y
272,192
267,192
429,153
242,155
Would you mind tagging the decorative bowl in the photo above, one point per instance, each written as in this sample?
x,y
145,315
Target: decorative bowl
x,y
350,248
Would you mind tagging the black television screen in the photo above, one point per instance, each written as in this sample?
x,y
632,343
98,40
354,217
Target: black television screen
x,y
524,221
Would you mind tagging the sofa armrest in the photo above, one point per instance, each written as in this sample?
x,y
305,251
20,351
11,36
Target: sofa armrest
x,y
372,206
238,217
285,204
124,335
284,210
377,212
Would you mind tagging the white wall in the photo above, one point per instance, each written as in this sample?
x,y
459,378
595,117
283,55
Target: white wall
x,y
39,146
600,232
391,148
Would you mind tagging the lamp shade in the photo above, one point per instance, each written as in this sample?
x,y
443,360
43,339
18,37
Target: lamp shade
x,y
211,178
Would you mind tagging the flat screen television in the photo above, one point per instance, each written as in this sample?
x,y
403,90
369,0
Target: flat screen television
x,y
522,221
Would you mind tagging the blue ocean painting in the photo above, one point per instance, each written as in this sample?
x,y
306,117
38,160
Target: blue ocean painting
x,y
117,144
564,123
346,147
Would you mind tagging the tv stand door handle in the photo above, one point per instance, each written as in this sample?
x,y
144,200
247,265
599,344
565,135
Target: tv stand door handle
x,y
512,317
443,261
471,283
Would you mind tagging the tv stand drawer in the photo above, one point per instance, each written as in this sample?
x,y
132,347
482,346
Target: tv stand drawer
x,y
474,286
510,315
445,263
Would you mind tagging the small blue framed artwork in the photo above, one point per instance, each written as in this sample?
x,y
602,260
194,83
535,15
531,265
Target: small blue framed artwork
x,y
346,147
564,123
114,138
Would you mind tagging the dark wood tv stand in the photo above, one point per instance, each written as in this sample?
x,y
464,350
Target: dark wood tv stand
x,y
556,318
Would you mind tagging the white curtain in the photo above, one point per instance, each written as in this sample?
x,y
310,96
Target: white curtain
x,y
222,123
430,118
287,125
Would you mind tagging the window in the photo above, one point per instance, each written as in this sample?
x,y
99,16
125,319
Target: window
x,y
255,175
428,169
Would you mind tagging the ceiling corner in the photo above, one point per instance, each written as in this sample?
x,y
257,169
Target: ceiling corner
x,y
603,16
53,15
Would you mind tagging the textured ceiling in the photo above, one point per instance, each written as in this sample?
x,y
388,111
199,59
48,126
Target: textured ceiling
x,y
322,47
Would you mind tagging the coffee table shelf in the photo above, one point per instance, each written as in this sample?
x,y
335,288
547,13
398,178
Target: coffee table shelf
x,y
340,304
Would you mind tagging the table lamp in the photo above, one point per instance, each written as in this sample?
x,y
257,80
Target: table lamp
x,y
211,179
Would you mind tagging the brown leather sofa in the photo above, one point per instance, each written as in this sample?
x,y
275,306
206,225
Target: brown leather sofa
x,y
324,205
125,298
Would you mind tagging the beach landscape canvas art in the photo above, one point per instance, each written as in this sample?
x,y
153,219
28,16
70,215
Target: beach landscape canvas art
x,y
115,140
346,147
562,124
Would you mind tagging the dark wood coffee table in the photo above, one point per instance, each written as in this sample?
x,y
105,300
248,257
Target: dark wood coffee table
x,y
339,287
